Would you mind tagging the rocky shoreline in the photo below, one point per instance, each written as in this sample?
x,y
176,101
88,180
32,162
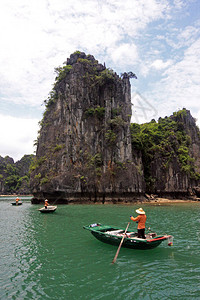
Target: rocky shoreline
x,y
172,201
154,199
148,199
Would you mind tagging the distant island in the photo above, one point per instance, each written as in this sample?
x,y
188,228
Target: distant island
x,y
14,177
88,151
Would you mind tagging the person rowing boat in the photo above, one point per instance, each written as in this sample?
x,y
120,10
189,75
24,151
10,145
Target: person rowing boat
x,y
141,220
46,203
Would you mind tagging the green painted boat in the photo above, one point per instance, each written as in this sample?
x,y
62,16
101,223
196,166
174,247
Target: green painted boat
x,y
112,235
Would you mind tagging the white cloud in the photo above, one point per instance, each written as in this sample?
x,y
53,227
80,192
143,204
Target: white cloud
x,y
37,36
17,136
125,55
184,76
159,64
184,37
179,3
179,86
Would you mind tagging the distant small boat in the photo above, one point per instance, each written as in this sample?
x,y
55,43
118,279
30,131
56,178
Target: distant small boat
x,y
14,203
49,209
112,235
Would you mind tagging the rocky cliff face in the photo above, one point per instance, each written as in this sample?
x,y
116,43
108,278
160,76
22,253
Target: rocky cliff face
x,y
84,150
176,170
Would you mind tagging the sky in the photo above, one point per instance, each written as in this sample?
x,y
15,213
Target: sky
x,y
158,40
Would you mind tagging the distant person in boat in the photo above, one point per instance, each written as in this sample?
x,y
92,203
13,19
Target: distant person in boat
x,y
17,200
46,203
140,219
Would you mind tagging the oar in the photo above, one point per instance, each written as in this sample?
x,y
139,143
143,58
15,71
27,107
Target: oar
x,y
115,258
56,200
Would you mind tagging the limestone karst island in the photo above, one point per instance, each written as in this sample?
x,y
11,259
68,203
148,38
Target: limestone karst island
x,y
88,151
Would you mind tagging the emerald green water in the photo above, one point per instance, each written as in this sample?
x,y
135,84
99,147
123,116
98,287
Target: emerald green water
x,y
51,256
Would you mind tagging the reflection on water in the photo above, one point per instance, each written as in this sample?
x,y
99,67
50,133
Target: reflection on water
x,y
52,257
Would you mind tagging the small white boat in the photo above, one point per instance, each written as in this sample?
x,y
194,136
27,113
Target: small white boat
x,y
49,209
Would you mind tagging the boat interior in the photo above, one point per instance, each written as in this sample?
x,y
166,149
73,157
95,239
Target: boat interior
x,y
120,232
129,234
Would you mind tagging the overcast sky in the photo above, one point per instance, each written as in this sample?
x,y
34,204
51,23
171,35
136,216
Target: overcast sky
x,y
158,40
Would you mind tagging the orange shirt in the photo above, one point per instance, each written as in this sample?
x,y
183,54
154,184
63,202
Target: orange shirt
x,y
141,221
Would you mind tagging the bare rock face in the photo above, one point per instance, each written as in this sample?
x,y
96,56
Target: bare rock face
x,y
84,150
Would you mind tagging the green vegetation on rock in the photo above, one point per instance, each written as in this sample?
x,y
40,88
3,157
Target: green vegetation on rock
x,y
95,111
62,72
164,139
14,177
106,76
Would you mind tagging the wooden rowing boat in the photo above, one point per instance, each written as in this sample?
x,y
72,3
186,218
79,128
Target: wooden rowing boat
x,y
49,209
112,235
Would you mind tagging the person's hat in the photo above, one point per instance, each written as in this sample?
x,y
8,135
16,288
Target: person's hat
x,y
46,200
140,211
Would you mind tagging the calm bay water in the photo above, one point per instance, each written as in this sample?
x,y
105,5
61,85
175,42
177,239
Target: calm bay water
x,y
53,257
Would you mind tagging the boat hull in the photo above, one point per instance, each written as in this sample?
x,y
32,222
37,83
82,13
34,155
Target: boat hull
x,y
49,209
113,236
127,243
14,203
